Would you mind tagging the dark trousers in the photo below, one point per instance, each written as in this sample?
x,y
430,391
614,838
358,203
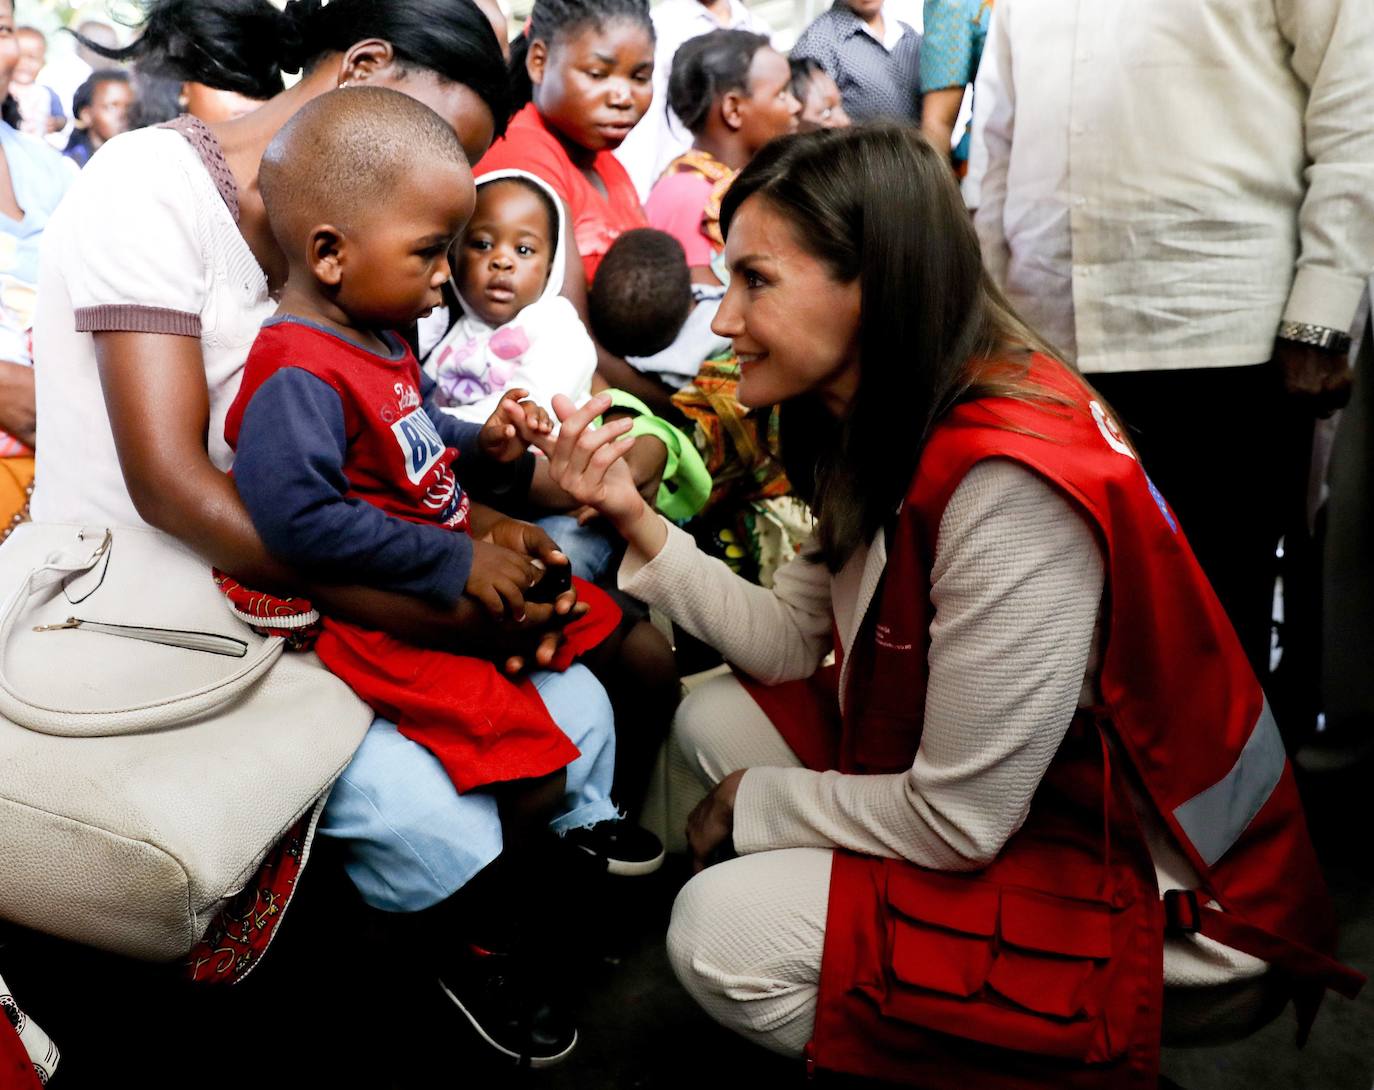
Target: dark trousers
x,y
1231,455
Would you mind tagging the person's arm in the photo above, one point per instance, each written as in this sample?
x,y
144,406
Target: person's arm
x,y
994,104
946,67
774,635
1016,588
17,413
939,112
1330,42
289,470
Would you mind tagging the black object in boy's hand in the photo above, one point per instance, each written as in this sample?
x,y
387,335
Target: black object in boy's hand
x,y
556,579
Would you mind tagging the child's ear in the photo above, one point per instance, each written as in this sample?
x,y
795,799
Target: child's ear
x,y
536,60
729,109
327,253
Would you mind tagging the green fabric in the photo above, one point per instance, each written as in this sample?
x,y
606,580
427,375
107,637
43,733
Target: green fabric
x,y
686,485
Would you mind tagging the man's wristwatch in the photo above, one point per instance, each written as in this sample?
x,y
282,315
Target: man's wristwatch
x,y
1318,336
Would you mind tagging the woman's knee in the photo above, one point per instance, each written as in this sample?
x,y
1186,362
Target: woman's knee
x,y
720,729
747,946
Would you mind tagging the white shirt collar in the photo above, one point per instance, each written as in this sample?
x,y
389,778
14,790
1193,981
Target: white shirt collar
x,y
893,29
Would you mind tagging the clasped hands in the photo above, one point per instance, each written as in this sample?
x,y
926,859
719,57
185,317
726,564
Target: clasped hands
x,y
505,550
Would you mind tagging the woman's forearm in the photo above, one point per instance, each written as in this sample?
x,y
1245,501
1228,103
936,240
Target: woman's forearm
x,y
773,635
17,414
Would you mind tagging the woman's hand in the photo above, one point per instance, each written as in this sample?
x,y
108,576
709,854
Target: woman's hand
x,y
588,463
711,824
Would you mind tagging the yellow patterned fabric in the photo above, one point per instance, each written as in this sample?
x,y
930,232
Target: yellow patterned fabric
x,y
16,486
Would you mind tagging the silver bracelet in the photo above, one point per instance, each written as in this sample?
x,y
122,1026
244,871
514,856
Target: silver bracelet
x,y
1318,336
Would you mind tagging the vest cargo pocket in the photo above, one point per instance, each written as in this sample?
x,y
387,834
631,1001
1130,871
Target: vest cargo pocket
x,y
1049,951
940,941
1005,966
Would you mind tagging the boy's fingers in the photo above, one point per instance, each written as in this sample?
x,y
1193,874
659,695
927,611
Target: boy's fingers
x,y
492,600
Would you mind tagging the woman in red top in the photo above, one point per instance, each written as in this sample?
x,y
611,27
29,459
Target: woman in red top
x,y
584,71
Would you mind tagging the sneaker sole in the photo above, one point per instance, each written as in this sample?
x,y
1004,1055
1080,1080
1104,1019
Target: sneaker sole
x,y
628,869
534,1061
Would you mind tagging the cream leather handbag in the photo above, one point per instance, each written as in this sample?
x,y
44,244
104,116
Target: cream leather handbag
x,y
152,747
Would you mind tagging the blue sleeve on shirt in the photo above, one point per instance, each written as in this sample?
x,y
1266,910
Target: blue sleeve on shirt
x,y
494,483
289,471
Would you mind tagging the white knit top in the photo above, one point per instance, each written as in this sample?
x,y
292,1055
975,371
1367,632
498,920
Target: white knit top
x,y
1016,587
146,240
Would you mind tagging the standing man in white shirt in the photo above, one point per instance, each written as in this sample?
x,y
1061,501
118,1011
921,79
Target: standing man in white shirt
x,y
659,138
1180,195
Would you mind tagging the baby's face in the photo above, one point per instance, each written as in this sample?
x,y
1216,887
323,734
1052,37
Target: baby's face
x,y
504,257
395,261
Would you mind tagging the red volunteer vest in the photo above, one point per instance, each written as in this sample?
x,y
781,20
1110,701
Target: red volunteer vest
x,y
1045,968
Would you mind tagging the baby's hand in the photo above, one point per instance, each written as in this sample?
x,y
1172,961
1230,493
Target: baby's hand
x,y
513,427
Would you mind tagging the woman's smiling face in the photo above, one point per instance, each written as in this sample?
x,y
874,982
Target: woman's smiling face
x,y
593,83
794,327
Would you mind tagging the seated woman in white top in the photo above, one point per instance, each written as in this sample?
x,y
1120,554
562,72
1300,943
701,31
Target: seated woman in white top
x,y
1032,819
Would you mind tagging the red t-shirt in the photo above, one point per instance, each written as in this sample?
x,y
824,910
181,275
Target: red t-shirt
x,y
597,220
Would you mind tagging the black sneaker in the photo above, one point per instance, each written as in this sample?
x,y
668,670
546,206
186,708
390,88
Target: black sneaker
x,y
627,849
498,998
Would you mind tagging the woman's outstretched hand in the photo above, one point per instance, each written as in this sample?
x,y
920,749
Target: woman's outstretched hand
x,y
588,463
711,824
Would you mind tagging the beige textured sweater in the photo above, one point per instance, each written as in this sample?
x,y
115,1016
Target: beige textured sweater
x,y
1017,590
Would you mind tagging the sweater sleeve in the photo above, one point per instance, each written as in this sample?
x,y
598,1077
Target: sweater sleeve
x,y
773,635
289,472
1016,587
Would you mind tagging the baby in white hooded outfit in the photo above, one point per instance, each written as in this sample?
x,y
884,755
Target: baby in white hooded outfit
x,y
515,330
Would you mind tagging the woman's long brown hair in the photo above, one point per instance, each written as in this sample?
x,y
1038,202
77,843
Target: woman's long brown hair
x,y
879,205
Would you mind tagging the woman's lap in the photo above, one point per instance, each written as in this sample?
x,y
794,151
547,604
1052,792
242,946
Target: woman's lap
x,y
413,841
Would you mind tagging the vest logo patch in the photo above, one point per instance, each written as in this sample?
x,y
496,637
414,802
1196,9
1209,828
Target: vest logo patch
x,y
1110,432
420,444
888,641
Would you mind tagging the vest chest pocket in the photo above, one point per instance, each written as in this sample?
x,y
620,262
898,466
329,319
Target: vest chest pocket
x,y
1008,967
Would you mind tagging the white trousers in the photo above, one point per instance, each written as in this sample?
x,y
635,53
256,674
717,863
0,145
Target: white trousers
x,y
746,935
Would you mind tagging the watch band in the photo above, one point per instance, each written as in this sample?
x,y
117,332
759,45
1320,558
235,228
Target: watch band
x,y
1318,336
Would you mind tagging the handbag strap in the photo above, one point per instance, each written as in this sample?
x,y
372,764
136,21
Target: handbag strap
x,y
154,715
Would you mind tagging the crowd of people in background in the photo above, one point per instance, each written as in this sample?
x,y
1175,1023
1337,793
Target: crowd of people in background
x,y
1185,272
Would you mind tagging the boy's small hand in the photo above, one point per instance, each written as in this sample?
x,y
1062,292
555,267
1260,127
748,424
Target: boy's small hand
x,y
499,578
513,427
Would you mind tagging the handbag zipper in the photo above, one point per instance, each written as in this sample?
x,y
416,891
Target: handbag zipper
x,y
187,639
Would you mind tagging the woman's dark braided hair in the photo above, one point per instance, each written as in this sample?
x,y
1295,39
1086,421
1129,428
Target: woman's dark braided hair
x,y
246,45
707,67
9,112
552,19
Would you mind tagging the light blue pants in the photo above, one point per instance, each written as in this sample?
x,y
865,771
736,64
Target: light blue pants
x,y
589,548
413,841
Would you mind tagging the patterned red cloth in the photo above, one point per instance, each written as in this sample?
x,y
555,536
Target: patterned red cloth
x,y
293,619
239,936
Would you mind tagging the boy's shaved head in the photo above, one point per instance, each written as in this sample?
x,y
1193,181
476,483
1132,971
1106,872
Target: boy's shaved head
x,y
342,154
